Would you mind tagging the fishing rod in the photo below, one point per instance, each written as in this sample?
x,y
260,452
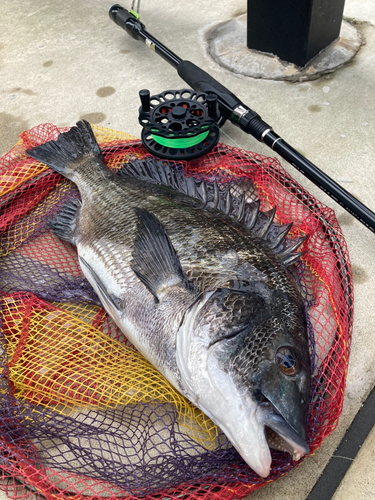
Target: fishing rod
x,y
233,109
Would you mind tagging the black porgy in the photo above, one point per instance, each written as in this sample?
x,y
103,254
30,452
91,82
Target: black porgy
x,y
197,279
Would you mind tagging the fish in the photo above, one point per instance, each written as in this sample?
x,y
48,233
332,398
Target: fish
x,y
198,279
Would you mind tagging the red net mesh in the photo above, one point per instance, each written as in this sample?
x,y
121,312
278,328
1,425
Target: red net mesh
x,y
82,414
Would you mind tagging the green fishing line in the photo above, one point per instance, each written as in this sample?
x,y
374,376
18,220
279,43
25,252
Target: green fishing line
x,y
186,142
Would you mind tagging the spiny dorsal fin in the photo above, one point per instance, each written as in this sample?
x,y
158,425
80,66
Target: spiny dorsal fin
x,y
287,247
155,261
292,258
276,234
228,201
241,208
220,197
191,187
264,222
252,212
216,194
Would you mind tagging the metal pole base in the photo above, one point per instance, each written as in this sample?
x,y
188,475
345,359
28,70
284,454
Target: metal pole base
x,y
294,31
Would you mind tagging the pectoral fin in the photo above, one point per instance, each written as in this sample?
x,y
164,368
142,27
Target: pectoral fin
x,y
155,261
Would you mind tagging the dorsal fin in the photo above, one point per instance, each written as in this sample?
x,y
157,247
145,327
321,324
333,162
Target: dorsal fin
x,y
292,258
264,222
287,247
252,212
221,198
276,234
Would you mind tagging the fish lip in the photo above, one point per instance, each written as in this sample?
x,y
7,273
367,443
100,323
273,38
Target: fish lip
x,y
270,417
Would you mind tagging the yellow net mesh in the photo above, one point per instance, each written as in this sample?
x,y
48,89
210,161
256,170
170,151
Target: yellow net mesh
x,y
58,360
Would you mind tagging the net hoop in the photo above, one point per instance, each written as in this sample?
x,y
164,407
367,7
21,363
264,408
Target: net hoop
x,y
34,410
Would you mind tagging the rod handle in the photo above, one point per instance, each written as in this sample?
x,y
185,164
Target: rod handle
x,y
201,81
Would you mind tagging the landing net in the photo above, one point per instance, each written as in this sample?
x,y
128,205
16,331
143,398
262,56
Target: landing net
x,y
82,414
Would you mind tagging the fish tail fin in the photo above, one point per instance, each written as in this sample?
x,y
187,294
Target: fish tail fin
x,y
63,155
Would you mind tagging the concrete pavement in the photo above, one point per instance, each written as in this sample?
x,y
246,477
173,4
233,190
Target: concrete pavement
x,y
61,61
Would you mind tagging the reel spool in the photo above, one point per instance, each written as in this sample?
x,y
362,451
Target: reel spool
x,y
179,124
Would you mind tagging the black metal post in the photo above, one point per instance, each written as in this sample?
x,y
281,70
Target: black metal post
x,y
294,30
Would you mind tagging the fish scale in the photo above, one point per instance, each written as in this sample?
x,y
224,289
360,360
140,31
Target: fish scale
x,y
210,234
196,277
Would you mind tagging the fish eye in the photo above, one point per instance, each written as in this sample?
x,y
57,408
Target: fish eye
x,y
287,361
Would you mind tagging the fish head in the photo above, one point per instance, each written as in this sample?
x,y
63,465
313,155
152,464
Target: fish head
x,y
244,360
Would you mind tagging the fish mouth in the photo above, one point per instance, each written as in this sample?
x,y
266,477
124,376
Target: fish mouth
x,y
271,431
280,434
276,442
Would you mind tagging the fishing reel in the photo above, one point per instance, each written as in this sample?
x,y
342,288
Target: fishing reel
x,y
179,124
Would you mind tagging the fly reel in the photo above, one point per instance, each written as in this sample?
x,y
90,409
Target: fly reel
x,y
179,124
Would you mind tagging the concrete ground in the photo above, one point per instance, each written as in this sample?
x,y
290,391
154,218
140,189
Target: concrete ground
x,y
359,480
61,61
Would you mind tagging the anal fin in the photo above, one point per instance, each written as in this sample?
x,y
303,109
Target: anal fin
x,y
64,224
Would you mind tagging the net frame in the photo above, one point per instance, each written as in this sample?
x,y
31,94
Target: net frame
x,y
324,277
